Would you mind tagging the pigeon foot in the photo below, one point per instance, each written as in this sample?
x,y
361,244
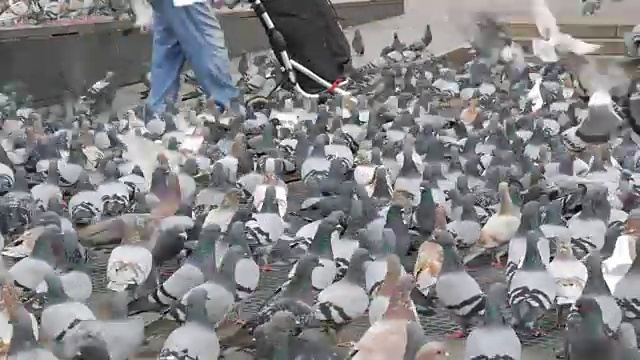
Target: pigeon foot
x,y
538,333
266,267
459,334
347,344
497,264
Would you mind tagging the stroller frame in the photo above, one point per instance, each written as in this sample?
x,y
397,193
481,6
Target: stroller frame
x,y
290,66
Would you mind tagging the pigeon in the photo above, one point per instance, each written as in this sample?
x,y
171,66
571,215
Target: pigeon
x,y
456,289
61,315
191,274
345,300
49,189
29,272
294,296
552,39
220,288
429,261
320,245
498,230
517,246
427,37
466,229
494,338
266,226
532,290
382,295
624,291
596,288
570,276
588,228
588,338
114,334
275,338
396,335
196,338
131,263
357,44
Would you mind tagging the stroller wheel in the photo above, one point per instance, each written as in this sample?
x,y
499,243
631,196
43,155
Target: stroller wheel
x,y
258,102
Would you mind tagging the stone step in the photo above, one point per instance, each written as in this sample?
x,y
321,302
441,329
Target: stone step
x,y
459,56
582,27
614,46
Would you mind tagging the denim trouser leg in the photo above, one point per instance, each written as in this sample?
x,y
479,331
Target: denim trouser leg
x,y
167,60
197,31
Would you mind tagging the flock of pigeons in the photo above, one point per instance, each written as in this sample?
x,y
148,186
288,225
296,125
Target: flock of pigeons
x,y
37,12
523,159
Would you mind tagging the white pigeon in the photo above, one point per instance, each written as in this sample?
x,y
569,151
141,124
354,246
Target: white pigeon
x,y
553,40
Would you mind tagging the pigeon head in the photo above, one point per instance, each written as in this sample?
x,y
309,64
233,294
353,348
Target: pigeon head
x,y
468,208
233,255
462,184
137,171
49,218
593,263
282,321
196,301
530,216
306,265
444,238
111,170
270,202
400,300
55,290
91,348
173,144
433,350
394,267
588,308
359,257
190,166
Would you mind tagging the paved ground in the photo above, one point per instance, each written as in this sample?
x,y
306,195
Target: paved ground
x,y
445,18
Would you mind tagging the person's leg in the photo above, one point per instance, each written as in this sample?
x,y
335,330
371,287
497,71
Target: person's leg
x,y
202,40
167,58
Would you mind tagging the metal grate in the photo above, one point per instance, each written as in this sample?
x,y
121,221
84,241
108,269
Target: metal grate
x,y
435,326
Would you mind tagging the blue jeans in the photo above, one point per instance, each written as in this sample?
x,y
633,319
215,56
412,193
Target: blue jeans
x,y
188,33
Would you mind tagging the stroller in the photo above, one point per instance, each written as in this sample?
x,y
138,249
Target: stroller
x,y
311,50
308,43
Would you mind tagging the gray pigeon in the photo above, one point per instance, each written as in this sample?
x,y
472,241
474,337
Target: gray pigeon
x,y
345,300
43,192
530,221
196,339
61,315
191,274
456,289
425,215
587,338
532,290
627,292
275,339
357,44
294,296
29,272
23,344
494,339
220,288
118,336
427,37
